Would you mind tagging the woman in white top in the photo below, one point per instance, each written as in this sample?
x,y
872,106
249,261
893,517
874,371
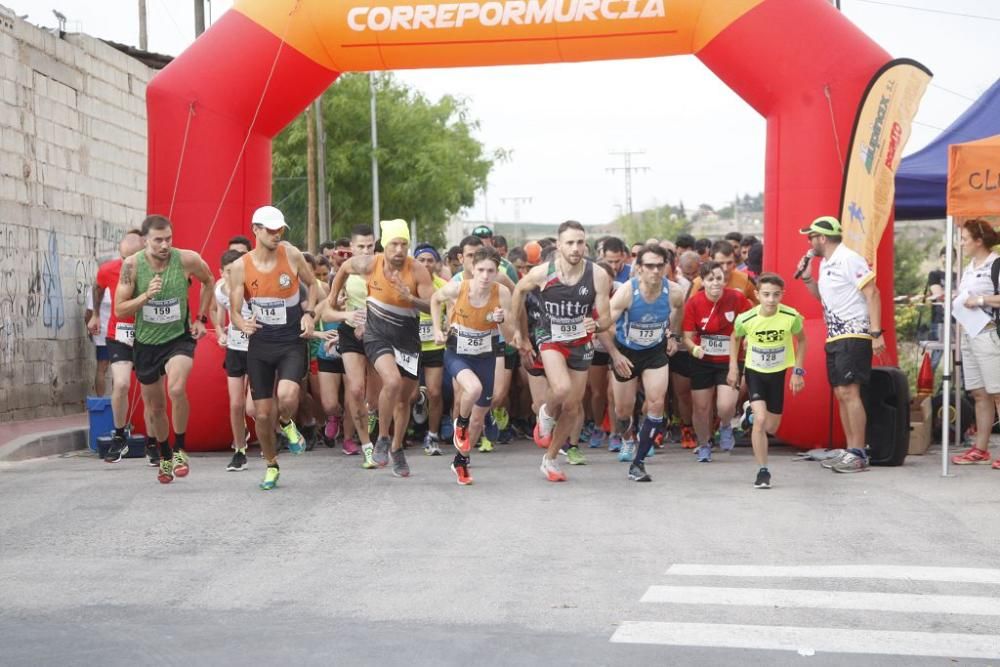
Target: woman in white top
x,y
980,352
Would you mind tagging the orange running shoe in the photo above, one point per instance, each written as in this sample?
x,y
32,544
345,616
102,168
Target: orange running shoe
x,y
972,456
461,439
461,471
688,441
542,441
996,464
551,470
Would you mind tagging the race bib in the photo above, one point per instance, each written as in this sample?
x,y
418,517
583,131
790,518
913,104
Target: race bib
x,y
566,330
162,311
237,339
125,333
767,358
426,331
472,343
270,311
645,335
715,346
408,361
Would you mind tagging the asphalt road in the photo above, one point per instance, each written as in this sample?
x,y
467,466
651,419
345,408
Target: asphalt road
x,y
100,564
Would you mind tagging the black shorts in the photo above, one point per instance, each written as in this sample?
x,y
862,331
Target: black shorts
x,y
268,361
849,361
101,352
432,358
119,352
767,387
235,363
331,365
510,359
642,360
706,374
376,347
680,363
348,341
151,360
578,357
601,359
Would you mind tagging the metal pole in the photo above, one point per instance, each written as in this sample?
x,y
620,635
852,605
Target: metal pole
x,y
375,201
143,35
957,397
946,384
199,17
323,203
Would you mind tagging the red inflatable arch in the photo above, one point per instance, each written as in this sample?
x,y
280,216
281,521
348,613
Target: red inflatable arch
x,y
800,63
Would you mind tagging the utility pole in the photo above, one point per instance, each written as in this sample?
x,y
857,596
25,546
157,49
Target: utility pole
x,y
375,201
517,201
143,35
199,17
311,218
628,169
323,202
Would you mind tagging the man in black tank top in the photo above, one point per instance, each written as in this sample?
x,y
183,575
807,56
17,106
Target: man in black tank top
x,y
570,292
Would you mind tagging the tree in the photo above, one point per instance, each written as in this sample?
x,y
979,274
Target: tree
x,y
908,260
430,164
665,222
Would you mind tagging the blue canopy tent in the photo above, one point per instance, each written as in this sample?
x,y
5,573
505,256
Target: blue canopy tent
x,y
922,178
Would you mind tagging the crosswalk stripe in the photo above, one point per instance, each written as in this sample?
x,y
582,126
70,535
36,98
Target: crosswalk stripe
x,y
805,640
841,571
812,599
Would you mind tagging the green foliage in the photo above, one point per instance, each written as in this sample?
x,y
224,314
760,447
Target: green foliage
x,y
746,202
430,164
908,261
665,222
908,317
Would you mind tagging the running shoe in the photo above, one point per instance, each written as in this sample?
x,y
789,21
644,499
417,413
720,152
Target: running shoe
x,y
490,429
763,480
461,438
431,446
271,476
688,441
586,432
971,456
382,452
546,423
485,445
615,442
369,460
597,438
501,418
350,447
996,464
704,453
152,455
181,468
462,475
575,457
296,443
118,449
238,462
541,439
637,473
627,452
832,461
419,409
851,462
726,439
551,470
506,436
446,431
331,430
166,471
400,468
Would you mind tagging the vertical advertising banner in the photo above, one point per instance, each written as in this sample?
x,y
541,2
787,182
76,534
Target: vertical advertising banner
x,y
881,130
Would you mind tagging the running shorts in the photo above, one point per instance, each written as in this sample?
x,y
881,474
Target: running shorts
x,y
849,361
642,360
269,361
331,365
767,387
706,374
578,357
119,352
151,360
483,367
235,363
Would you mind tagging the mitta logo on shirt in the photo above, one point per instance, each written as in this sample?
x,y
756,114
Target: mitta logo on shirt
x,y
285,280
583,290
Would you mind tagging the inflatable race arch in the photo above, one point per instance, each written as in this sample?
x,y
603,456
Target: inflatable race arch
x,y
214,110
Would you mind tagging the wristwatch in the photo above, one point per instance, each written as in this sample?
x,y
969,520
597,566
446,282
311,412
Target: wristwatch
x,y
799,371
203,319
876,334
310,313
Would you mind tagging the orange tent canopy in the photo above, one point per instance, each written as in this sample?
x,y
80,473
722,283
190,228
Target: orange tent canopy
x,y
974,178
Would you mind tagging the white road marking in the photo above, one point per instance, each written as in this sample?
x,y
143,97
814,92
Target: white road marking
x,y
842,571
813,599
820,640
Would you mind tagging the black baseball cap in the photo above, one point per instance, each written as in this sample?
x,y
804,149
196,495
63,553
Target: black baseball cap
x,y
483,232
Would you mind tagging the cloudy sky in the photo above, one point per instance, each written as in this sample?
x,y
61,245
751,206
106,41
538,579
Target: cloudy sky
x,y
701,143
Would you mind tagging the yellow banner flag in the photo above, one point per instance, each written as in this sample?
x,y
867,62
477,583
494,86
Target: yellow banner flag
x,y
881,130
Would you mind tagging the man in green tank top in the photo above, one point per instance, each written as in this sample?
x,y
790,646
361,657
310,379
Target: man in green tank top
x,y
154,288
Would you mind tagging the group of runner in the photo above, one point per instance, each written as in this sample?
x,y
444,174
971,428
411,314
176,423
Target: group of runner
x,y
355,342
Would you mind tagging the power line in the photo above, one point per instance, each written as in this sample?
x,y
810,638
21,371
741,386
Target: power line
x,y
628,169
948,90
932,11
933,127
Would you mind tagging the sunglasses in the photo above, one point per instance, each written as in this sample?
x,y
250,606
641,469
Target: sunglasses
x,y
344,254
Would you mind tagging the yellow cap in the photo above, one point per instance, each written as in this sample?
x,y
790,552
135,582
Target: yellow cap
x,y
394,229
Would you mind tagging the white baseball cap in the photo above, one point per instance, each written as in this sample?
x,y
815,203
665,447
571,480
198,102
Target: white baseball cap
x,y
269,217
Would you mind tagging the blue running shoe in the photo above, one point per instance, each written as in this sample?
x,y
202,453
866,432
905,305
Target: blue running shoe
x,y
586,432
704,453
447,428
597,438
615,443
726,439
627,452
490,429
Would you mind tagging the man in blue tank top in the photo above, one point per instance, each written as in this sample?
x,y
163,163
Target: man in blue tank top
x,y
646,310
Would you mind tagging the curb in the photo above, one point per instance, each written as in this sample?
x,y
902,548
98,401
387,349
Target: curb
x,y
38,445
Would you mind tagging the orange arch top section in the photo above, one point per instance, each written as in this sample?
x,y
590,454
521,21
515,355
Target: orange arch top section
x,y
368,35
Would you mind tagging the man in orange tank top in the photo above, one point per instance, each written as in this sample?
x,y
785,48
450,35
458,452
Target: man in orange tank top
x,y
398,289
268,278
